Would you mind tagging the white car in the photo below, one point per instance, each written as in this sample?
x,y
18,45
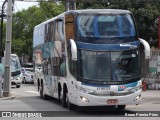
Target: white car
x,y
27,75
16,75
16,78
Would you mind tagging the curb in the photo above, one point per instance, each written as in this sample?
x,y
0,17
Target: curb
x,y
8,98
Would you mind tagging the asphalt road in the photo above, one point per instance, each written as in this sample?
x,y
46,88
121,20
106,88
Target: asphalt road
x,y
27,102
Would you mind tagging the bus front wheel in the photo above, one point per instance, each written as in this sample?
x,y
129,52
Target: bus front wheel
x,y
69,105
64,99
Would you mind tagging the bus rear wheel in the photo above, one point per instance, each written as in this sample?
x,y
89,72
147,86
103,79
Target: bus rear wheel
x,y
42,94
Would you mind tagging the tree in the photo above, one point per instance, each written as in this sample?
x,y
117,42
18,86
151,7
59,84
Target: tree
x,y
51,9
145,13
24,22
23,30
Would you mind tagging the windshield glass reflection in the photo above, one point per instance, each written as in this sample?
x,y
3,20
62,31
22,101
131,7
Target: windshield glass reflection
x,y
101,25
109,66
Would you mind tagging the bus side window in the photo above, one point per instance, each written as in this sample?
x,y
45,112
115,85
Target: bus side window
x,y
69,27
59,32
58,50
51,33
45,34
70,34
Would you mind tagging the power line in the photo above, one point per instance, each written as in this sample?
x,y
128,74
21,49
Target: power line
x,y
42,0
92,1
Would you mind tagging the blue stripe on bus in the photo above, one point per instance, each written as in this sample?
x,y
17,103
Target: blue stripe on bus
x,y
122,46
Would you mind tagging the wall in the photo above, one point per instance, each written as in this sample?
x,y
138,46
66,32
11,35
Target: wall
x,y
153,75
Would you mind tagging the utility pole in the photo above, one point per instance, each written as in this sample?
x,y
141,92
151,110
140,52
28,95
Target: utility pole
x,y
1,50
70,5
7,75
2,17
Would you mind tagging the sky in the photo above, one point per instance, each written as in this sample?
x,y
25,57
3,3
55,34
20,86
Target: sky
x,y
19,5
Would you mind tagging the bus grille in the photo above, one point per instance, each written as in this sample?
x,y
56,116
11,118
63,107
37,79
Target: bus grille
x,y
110,93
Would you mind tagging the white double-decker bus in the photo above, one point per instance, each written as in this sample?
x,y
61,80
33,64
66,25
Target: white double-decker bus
x,y
89,58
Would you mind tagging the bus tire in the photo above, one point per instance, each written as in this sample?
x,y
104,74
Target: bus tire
x,y
121,107
59,92
64,99
42,94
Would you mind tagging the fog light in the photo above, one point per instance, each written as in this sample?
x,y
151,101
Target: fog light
x,y
84,99
137,97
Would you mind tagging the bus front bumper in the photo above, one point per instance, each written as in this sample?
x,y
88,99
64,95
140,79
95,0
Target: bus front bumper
x,y
92,100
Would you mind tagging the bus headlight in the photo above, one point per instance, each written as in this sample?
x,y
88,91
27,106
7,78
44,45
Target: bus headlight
x,y
137,97
84,99
84,90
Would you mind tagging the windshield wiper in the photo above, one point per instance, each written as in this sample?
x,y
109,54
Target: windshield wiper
x,y
88,80
129,77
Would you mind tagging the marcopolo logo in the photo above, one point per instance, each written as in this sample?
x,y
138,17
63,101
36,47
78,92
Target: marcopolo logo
x,y
6,114
128,45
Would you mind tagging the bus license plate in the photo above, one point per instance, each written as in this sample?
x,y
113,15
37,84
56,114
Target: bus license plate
x,y
112,101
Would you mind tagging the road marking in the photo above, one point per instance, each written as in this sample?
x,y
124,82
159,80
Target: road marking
x,y
32,92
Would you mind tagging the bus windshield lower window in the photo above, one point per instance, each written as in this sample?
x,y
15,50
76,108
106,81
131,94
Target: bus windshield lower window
x,y
109,66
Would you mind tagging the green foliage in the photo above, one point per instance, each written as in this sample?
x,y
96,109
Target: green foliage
x,y
51,9
145,13
24,22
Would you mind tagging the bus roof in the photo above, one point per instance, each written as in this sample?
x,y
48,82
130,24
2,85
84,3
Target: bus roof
x,y
49,20
85,11
112,11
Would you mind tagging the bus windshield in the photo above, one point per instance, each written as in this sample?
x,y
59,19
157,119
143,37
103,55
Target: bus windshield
x,y
109,66
15,65
105,26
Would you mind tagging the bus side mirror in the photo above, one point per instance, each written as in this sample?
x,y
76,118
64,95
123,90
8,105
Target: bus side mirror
x,y
146,48
73,50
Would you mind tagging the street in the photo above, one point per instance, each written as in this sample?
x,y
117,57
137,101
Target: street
x,y
27,99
